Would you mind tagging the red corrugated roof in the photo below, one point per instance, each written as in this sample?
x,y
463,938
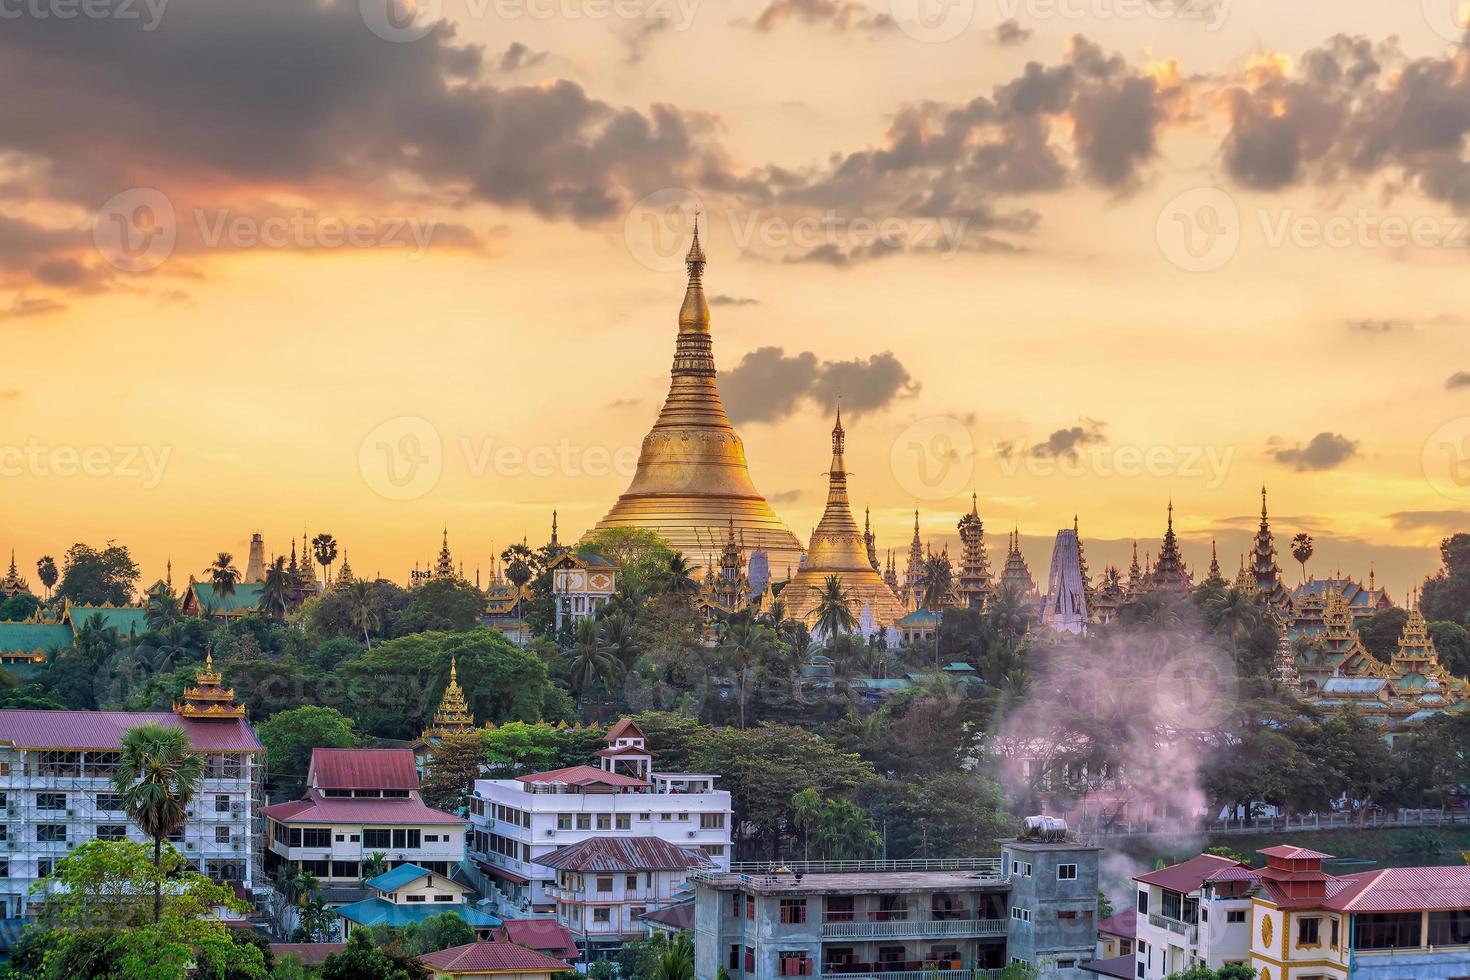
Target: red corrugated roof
x,y
1404,890
1289,852
1187,876
317,809
543,935
583,776
1123,924
363,769
621,750
28,728
624,854
482,957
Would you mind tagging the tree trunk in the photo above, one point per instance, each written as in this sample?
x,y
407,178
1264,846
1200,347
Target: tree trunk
x,y
157,879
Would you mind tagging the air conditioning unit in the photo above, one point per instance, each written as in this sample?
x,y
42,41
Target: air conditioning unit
x,y
237,807
693,833
550,833
190,845
71,813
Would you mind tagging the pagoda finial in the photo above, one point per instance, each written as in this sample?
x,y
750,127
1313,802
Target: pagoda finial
x,y
974,504
1171,513
1263,501
838,435
695,260
453,670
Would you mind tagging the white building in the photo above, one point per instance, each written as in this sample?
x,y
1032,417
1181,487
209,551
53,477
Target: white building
x,y
1196,913
56,790
360,802
580,585
515,822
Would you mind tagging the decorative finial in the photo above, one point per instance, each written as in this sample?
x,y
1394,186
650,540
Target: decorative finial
x,y
695,260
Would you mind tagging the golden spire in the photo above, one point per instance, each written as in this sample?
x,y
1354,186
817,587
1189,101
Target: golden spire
x,y
207,698
453,716
692,472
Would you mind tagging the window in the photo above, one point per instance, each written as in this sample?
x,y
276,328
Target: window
x,y
310,836
665,817
604,821
584,821
604,883
839,908
793,911
50,801
631,883
624,821
443,898
406,838
1308,931
563,821
1020,914
1066,872
1445,928
1238,915
111,802
750,907
737,902
636,912
112,831
381,839
713,850
793,963
733,962
645,816
1387,930
750,959
414,898
1335,937
4,867
45,866
222,835
221,804
1023,868
1143,902
345,869
711,821
601,913
50,832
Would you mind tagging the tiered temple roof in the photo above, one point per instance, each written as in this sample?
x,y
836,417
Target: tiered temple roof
x,y
1170,574
209,700
974,587
13,583
1016,575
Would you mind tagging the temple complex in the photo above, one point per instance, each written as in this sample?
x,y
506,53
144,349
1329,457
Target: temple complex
x,y
453,717
1264,570
692,477
913,573
974,588
837,548
1169,573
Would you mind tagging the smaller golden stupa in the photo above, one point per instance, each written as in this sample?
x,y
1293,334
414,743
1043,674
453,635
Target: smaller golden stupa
x,y
453,716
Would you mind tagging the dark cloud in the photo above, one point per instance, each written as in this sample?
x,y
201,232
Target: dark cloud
x,y
518,56
1379,326
22,307
1064,443
1325,451
1010,32
623,403
1430,520
784,497
767,384
839,15
1460,379
724,299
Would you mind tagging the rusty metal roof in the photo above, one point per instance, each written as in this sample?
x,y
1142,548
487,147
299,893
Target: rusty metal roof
x,y
27,728
625,854
489,957
583,776
1187,876
363,769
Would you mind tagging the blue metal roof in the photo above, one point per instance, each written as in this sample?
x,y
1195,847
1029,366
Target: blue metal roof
x,y
381,912
393,880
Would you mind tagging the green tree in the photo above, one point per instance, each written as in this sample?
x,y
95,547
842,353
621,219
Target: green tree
x,y
374,864
676,962
589,664
639,553
936,579
223,575
442,604
1446,594
1301,550
19,607
363,609
163,609
834,609
93,578
289,736
276,596
361,960
746,645
453,766
676,578
442,931
157,777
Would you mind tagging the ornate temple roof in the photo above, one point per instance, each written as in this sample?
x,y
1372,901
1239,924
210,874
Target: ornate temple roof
x,y
209,699
453,716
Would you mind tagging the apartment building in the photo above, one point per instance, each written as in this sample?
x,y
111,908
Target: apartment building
x,y
1172,932
517,822
360,802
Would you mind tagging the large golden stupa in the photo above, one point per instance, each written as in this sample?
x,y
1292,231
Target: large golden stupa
x,y
837,548
692,485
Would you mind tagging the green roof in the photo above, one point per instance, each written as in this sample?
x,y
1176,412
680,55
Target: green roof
x,y
920,617
33,637
128,620
244,598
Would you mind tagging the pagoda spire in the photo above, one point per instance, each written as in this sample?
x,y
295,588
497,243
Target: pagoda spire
x,y
1263,554
554,544
869,540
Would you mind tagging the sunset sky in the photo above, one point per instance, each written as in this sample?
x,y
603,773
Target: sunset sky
x,y
1132,251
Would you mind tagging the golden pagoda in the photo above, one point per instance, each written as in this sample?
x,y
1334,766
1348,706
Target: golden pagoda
x,y
692,479
209,700
12,583
837,548
452,718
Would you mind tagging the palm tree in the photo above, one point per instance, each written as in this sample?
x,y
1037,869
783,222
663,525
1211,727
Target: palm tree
x,y
937,578
362,607
590,662
834,608
746,645
676,578
277,593
162,649
324,550
95,640
374,864
676,962
46,571
519,562
157,778
1301,550
164,609
616,634
223,575
1236,614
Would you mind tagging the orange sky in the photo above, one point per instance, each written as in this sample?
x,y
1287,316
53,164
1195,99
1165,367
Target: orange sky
x,y
521,357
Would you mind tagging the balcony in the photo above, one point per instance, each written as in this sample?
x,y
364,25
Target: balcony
x,y
1188,932
921,929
